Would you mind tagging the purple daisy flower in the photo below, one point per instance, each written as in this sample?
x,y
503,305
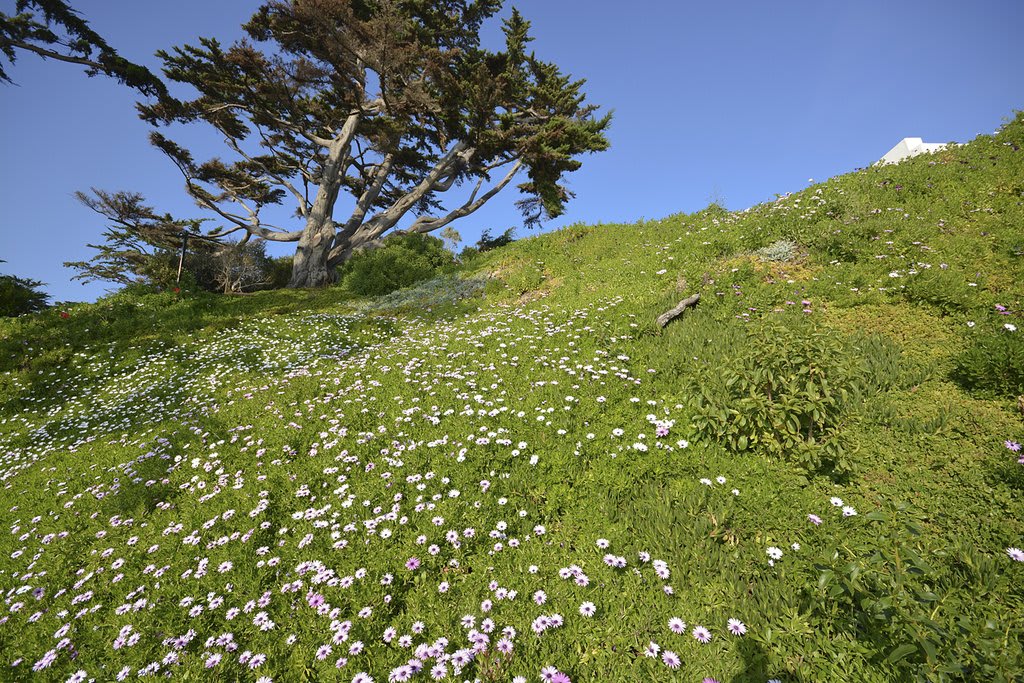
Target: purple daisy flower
x,y
671,659
701,634
736,627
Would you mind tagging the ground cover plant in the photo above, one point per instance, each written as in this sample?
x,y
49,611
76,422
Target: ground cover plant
x,y
510,473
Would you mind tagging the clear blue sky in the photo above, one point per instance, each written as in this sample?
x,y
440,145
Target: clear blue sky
x,y
740,100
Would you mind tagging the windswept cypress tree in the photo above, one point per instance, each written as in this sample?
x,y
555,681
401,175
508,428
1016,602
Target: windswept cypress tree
x,y
393,102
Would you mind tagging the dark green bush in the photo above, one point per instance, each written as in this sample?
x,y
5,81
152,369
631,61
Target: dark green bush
x,y
486,242
468,254
785,394
993,365
403,261
19,296
279,272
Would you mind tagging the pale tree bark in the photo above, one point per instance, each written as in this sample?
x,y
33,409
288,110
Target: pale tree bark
x,y
310,265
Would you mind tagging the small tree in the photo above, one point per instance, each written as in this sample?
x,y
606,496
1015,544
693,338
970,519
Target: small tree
x,y
451,238
19,296
53,30
242,266
391,101
141,246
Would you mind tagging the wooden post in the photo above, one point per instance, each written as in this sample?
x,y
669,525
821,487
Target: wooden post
x,y
181,258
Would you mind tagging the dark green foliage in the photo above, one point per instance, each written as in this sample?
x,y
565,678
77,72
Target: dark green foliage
x,y
947,290
993,364
279,272
486,242
468,254
19,296
913,603
143,247
402,261
786,393
53,29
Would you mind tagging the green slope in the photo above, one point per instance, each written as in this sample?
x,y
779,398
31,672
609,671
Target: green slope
x,y
520,459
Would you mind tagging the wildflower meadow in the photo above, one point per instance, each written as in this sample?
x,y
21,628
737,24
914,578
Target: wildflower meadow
x,y
512,474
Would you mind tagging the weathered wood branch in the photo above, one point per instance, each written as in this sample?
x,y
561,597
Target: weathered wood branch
x,y
430,223
673,313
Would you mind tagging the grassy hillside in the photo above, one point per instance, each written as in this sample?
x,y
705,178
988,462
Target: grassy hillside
x,y
516,475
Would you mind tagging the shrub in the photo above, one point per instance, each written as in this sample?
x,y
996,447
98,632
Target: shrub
x,y
782,250
280,272
403,261
241,266
993,365
468,254
19,296
786,394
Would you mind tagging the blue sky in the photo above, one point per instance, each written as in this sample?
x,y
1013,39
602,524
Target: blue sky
x,y
740,101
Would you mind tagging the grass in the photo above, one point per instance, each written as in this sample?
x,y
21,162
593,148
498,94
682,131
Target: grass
x,y
248,487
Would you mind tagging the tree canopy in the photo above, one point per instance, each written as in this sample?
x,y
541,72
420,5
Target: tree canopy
x,y
393,102
53,30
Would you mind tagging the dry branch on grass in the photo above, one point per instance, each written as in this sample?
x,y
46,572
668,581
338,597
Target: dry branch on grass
x,y
673,313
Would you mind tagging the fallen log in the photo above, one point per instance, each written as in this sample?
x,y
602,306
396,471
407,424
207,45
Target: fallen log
x,y
673,313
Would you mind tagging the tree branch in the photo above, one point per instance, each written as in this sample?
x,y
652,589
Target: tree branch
x,y
43,52
312,137
441,174
425,224
673,313
265,233
281,180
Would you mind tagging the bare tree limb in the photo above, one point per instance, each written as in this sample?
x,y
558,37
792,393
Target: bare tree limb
x,y
429,223
441,173
673,313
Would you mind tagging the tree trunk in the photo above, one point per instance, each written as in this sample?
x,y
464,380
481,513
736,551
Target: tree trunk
x,y
309,267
